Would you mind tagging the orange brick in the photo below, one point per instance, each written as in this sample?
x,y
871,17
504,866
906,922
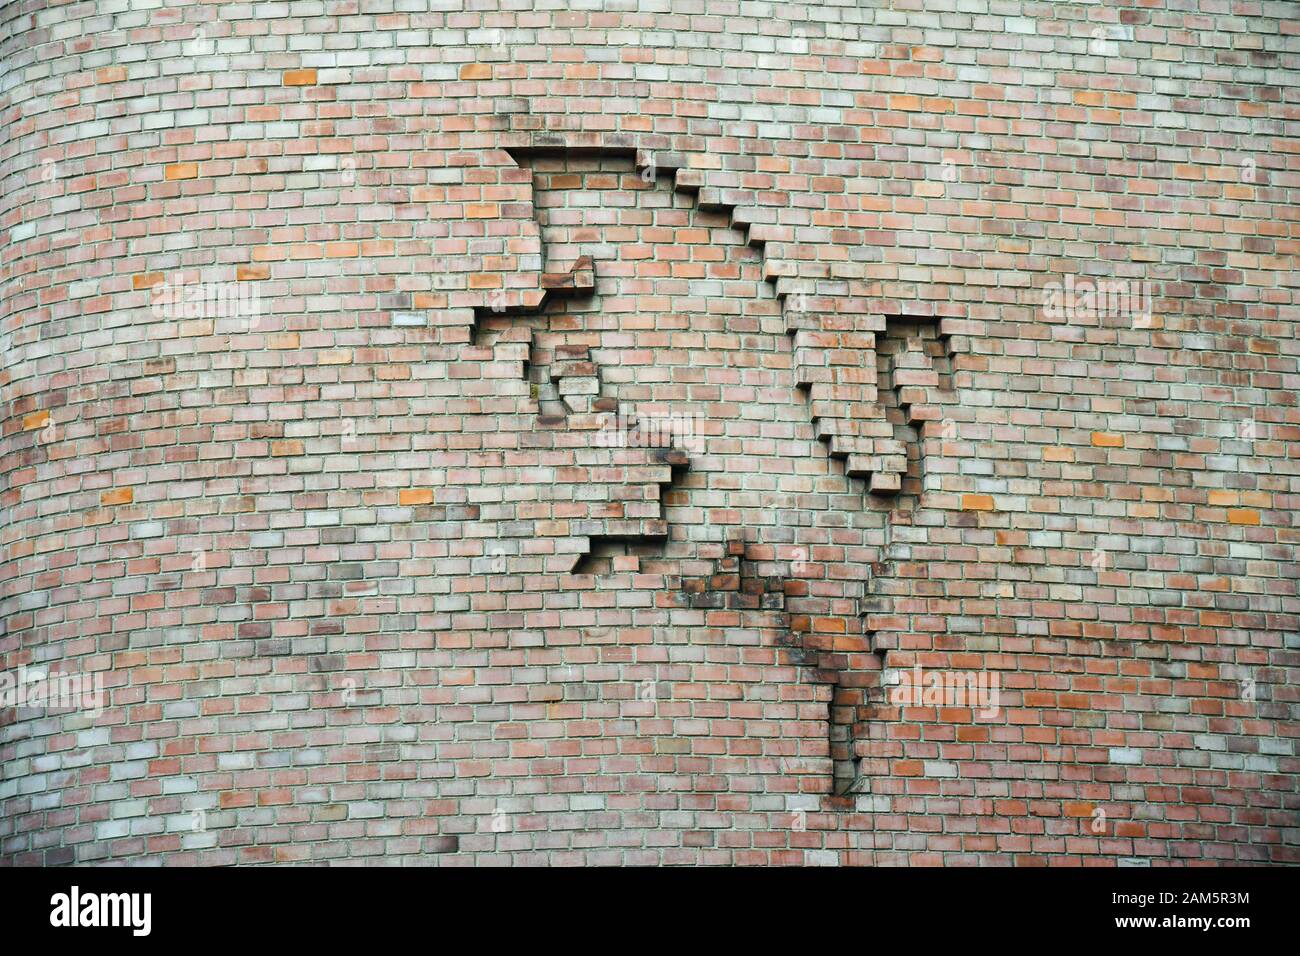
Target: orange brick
x,y
1222,498
182,171
1073,809
146,280
1058,453
476,71
481,210
117,496
977,502
299,78
289,446
252,273
415,496
1243,516
34,420
1107,440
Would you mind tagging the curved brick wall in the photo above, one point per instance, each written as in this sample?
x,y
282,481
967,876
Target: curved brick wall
x,y
590,435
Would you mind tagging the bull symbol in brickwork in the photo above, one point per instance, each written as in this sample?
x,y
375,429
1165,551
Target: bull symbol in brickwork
x,y
875,387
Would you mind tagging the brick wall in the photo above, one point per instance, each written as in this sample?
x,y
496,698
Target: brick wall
x,y
676,431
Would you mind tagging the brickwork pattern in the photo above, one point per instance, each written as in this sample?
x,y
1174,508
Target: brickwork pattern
x,y
468,435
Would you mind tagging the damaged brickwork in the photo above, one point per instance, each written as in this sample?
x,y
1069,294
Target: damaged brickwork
x,y
631,436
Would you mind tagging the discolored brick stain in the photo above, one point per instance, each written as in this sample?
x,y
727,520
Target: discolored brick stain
x,y
628,414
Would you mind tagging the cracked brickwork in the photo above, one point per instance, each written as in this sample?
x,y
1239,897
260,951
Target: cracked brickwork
x,y
486,436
